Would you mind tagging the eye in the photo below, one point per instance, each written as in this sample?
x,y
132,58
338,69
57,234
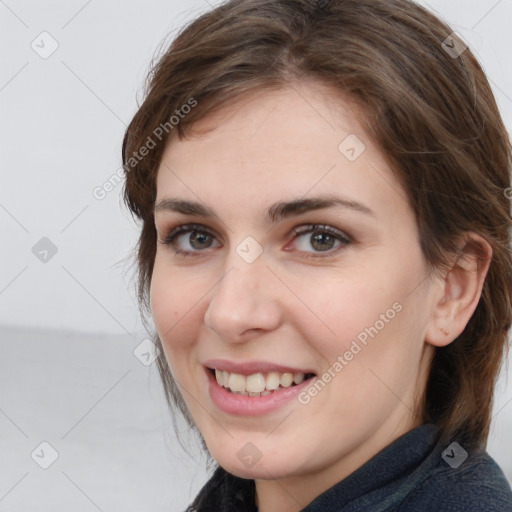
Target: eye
x,y
198,238
322,238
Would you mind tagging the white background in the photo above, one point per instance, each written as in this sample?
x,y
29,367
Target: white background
x,y
68,327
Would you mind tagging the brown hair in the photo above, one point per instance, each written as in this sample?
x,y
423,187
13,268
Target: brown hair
x,y
431,112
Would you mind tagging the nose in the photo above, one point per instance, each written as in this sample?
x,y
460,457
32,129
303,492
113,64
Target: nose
x,y
245,301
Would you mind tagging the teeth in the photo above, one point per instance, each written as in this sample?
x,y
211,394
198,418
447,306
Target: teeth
x,y
286,380
273,379
298,378
257,384
236,382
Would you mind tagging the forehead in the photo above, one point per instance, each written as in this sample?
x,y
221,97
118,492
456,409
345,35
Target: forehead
x,y
292,142
282,117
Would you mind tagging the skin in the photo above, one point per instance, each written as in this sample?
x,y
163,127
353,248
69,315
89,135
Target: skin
x,y
289,309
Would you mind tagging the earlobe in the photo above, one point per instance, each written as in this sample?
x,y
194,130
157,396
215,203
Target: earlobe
x,y
459,292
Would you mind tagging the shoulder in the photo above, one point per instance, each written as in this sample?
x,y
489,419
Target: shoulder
x,y
476,485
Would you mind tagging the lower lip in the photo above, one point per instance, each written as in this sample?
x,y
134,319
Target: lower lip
x,y
251,405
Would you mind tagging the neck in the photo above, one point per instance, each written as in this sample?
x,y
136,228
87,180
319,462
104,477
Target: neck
x,y
274,496
293,493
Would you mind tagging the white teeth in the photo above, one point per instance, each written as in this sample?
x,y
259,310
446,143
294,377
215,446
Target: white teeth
x,y
286,380
273,379
236,382
257,384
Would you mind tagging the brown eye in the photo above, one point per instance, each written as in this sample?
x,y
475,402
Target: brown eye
x,y
189,239
321,239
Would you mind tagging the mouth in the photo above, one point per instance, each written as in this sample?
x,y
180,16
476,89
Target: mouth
x,y
254,388
258,384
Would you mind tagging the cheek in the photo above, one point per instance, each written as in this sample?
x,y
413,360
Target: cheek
x,y
343,308
174,307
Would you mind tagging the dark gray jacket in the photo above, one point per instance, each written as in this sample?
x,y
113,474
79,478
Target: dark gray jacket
x,y
413,474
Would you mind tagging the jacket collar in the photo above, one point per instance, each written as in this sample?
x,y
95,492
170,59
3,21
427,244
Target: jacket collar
x,y
378,485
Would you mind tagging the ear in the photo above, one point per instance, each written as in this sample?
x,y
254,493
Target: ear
x,y
459,291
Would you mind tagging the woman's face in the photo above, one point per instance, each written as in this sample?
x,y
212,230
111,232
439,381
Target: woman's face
x,y
261,294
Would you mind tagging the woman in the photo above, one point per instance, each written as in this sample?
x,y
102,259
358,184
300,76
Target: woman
x,y
325,253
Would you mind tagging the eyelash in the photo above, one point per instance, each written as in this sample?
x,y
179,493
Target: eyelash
x,y
345,240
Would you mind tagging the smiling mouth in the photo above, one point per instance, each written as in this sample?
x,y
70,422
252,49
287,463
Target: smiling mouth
x,y
258,384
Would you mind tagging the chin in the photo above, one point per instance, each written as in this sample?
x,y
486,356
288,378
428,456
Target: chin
x,y
269,469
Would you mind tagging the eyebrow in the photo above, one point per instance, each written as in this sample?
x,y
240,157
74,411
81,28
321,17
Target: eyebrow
x,y
275,213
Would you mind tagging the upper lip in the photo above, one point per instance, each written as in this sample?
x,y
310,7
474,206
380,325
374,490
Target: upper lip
x,y
252,367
